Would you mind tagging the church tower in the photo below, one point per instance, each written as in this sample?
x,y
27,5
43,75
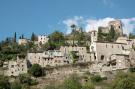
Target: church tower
x,y
94,35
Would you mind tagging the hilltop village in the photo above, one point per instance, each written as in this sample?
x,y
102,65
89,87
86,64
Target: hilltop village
x,y
101,52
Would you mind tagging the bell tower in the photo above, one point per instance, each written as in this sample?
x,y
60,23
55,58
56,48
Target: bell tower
x,y
94,36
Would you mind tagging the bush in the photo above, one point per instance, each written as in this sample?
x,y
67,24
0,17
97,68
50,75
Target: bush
x,y
124,81
88,85
4,83
16,85
36,70
96,78
72,83
131,69
25,79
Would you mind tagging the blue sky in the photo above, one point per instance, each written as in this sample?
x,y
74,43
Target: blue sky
x,y
45,16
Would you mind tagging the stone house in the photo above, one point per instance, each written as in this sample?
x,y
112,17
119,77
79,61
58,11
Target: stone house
x,y
23,41
42,39
84,56
108,56
15,67
47,58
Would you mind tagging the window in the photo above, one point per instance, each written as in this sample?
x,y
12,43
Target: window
x,y
102,57
119,26
94,56
12,66
94,33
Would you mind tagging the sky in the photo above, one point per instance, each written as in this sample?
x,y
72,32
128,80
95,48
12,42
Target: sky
x,y
45,16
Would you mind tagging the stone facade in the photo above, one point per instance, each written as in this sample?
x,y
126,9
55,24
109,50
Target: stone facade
x,y
109,56
84,56
42,39
117,24
22,41
14,68
47,58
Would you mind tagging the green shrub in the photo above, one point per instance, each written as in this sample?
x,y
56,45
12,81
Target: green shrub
x,y
96,78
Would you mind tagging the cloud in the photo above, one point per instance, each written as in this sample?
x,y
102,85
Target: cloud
x,y
93,24
77,20
128,25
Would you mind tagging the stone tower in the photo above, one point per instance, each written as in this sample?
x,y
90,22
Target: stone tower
x,y
94,35
117,27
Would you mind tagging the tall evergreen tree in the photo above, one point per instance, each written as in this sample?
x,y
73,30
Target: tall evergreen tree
x,y
14,37
33,37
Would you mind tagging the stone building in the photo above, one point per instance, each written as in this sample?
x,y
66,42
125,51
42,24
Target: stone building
x,y
47,58
42,39
15,67
23,41
117,24
108,56
82,52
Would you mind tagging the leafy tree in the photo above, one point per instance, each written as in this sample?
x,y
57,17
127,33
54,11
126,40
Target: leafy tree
x,y
49,46
36,70
56,37
131,36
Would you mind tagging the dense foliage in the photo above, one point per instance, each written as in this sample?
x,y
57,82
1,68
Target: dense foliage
x,y
36,70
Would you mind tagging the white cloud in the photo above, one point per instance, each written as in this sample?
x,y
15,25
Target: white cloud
x,y
93,24
76,20
128,25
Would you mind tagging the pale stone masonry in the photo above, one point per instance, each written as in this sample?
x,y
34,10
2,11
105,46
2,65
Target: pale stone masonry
x,y
14,68
47,58
42,39
84,56
22,41
110,56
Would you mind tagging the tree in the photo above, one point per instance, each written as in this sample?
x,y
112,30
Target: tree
x,y
36,70
73,27
14,37
131,36
112,34
99,35
34,37
56,37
